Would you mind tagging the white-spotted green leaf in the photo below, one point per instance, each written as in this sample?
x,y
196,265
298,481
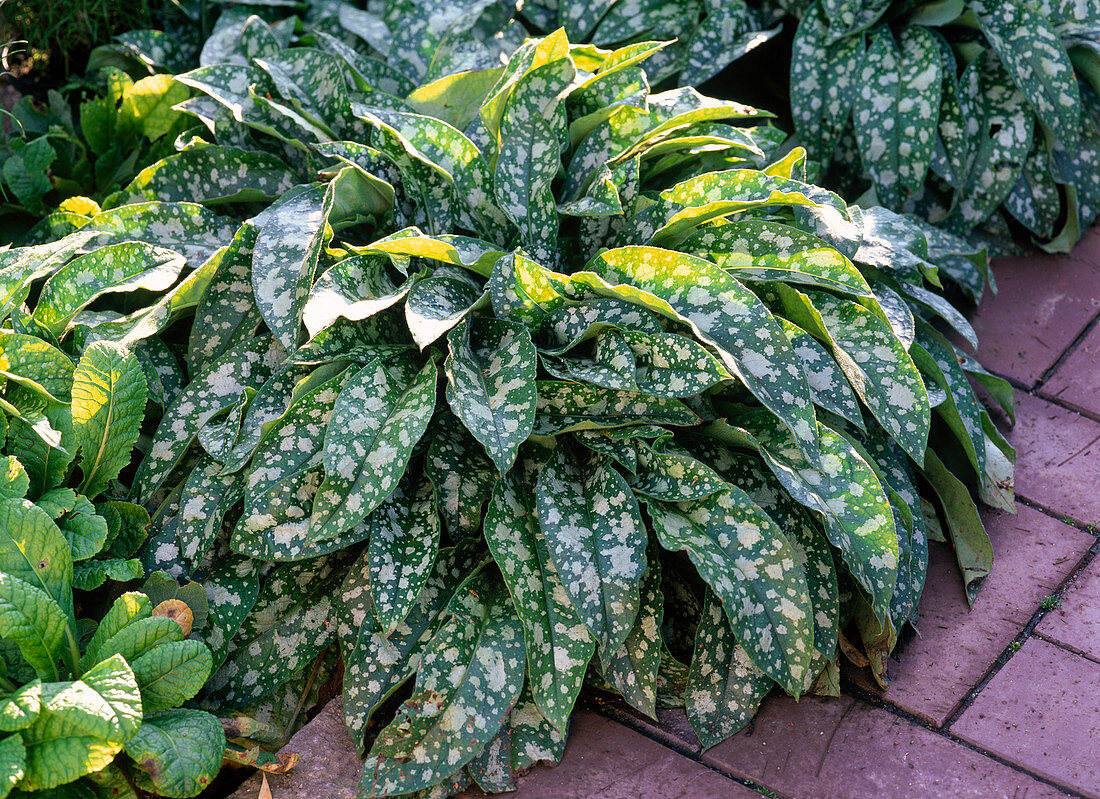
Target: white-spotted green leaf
x,y
595,537
379,416
212,175
721,312
823,83
227,312
751,566
669,365
534,738
353,288
177,752
215,389
724,687
895,110
109,394
468,681
563,407
204,501
115,268
439,301
285,257
873,359
848,494
82,725
461,474
558,645
828,386
375,665
192,230
1030,48
401,550
491,384
632,669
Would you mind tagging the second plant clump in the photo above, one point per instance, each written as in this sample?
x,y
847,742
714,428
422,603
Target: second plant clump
x,y
516,378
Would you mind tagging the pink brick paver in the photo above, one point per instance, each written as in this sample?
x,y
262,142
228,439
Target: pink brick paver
x,y
605,760
1033,554
1042,712
1076,382
845,749
1058,458
1076,625
1043,305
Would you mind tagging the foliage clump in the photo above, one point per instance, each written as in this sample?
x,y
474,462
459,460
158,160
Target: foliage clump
x,y
486,366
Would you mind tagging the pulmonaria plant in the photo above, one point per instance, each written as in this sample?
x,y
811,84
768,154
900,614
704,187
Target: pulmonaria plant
x,y
524,377
967,113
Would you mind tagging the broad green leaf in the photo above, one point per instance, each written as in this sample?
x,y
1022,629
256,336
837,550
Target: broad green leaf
x,y
148,105
491,384
468,681
558,645
285,256
177,752
34,359
379,416
34,550
401,550
136,638
111,269
973,551
92,574
474,254
171,673
84,529
595,537
721,312
206,498
564,407
109,394
126,610
1031,50
724,687
752,568
13,763
21,707
534,738
231,591
14,482
82,726
728,32
26,173
829,388
34,621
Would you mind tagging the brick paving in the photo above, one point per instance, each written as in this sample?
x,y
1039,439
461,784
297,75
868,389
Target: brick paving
x,y
1001,701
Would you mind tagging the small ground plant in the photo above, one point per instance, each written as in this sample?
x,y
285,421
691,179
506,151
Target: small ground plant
x,y
504,374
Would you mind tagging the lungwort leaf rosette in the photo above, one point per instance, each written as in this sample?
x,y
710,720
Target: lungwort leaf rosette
x,y
531,371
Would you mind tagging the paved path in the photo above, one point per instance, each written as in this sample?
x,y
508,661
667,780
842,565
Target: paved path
x,y
1002,700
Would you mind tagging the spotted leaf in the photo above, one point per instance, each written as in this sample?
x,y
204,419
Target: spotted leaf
x,y
596,539
379,416
491,384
